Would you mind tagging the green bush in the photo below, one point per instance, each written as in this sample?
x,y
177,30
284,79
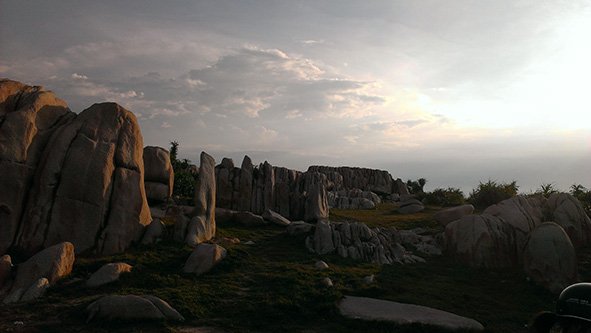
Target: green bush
x,y
491,193
445,197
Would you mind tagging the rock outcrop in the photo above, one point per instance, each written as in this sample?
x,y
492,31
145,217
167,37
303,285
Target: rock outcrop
x,y
29,116
52,264
549,257
568,212
377,181
5,270
202,225
158,174
131,308
378,245
89,188
292,194
353,199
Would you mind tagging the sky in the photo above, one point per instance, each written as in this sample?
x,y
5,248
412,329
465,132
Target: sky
x,y
455,91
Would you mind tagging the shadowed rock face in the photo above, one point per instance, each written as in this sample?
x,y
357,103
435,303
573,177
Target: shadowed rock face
x,y
28,117
159,175
68,177
292,194
377,181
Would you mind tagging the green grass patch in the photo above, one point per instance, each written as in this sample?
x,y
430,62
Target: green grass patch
x,y
272,286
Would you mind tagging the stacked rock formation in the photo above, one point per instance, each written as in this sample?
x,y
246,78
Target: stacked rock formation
x,y
514,228
68,177
159,175
292,194
376,245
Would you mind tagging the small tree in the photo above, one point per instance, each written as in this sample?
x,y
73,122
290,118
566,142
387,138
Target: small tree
x,y
546,189
583,195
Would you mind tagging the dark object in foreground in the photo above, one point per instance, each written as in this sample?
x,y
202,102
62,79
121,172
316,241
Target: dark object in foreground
x,y
573,312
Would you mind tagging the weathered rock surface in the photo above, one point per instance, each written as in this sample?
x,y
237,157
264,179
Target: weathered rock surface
x,y
410,205
568,212
275,218
202,225
549,257
400,187
154,232
321,265
131,308
204,258
52,263
353,199
249,219
158,174
292,194
299,228
482,240
378,245
107,274
497,238
448,215
29,116
377,181
89,186
403,314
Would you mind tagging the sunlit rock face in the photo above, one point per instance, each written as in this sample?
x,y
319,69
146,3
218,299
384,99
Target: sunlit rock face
x,y
68,177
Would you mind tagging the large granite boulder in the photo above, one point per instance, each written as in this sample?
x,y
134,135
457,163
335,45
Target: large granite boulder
x,y
29,116
158,174
400,188
202,225
410,205
568,212
52,263
549,258
522,213
89,186
245,185
131,308
482,241
224,176
448,215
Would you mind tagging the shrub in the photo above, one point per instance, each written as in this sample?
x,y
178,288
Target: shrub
x,y
184,179
583,195
491,193
416,186
445,197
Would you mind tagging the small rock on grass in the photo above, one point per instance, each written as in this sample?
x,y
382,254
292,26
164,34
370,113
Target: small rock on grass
x,y
327,282
321,265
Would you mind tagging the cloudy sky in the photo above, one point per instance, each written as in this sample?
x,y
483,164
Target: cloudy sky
x,y
453,91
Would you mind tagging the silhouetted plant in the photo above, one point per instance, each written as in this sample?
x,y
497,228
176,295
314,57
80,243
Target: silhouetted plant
x,y
445,197
546,189
583,195
491,193
184,179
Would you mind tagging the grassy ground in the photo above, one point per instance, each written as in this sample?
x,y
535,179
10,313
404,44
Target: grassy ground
x,y
273,286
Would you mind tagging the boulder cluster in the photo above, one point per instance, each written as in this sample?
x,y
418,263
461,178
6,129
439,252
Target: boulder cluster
x,y
66,176
376,245
538,233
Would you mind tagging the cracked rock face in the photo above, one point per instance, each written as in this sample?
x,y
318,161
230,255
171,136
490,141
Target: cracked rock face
x,y
28,117
68,177
159,175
